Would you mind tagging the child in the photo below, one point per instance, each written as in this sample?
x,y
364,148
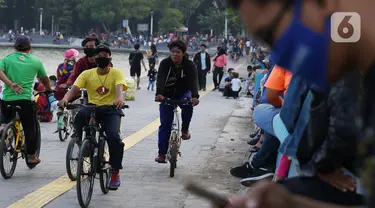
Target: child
x,y
236,85
227,82
151,78
250,71
46,103
53,81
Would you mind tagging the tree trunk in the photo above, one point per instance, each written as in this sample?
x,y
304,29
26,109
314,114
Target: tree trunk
x,y
105,28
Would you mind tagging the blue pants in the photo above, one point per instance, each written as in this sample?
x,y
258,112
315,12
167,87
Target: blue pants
x,y
166,120
263,117
151,84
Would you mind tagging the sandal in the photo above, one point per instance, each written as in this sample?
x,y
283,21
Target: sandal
x,y
32,159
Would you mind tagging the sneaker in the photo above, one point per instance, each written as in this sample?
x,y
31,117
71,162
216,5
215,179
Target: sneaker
x,y
255,132
33,159
161,158
254,141
204,89
148,88
115,180
243,171
257,175
185,135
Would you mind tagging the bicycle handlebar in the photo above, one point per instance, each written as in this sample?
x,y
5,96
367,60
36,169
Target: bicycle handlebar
x,y
168,101
46,92
71,106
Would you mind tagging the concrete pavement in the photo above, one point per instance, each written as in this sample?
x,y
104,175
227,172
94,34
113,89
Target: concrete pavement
x,y
206,158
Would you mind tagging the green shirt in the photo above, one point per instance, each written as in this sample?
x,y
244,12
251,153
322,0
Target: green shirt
x,y
21,68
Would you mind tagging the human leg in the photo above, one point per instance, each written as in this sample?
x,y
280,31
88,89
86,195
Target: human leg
x,y
166,120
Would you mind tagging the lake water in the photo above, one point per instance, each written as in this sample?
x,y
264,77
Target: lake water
x,y
51,58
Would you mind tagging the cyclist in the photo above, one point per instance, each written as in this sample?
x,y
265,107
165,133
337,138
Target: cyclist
x,y
177,79
18,71
105,86
86,62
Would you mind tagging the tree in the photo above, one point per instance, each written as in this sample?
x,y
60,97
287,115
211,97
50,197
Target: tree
x,y
188,8
171,20
99,10
136,9
214,18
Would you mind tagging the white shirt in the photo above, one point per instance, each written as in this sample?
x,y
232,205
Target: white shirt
x,y
248,44
2,89
236,84
203,60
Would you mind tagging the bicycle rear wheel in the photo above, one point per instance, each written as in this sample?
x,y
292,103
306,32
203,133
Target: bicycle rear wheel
x,y
8,148
173,155
85,173
38,143
104,174
71,158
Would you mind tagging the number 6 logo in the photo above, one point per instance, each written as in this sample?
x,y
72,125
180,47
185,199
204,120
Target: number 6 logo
x,y
345,27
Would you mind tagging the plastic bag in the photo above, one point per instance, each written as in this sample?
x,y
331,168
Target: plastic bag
x,y
130,93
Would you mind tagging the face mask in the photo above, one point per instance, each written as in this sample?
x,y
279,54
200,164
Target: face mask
x,y
89,52
102,62
304,51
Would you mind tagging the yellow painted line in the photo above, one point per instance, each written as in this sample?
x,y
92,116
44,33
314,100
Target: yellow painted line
x,y
51,191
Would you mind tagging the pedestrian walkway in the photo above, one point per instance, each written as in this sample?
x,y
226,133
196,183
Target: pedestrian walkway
x,y
144,183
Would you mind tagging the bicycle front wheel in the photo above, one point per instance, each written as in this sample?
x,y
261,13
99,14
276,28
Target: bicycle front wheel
x,y
71,158
173,154
38,144
85,174
104,174
9,156
63,128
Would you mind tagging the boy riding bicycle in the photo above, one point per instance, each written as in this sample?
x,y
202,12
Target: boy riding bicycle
x,y
105,86
18,71
177,79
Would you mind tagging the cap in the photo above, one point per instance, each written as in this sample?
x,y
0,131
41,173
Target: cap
x,y
22,40
71,54
90,38
102,47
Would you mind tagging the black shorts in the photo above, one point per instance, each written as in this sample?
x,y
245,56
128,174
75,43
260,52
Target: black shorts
x,y
135,71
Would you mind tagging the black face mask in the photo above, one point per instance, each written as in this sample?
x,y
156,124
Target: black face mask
x,y
89,52
102,62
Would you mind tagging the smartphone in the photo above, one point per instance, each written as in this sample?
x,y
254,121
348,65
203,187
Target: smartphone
x,y
216,198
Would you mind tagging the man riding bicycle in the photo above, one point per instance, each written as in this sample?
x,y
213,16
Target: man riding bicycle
x,y
18,71
105,86
177,79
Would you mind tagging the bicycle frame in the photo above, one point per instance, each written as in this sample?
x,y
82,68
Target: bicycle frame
x,y
19,138
176,128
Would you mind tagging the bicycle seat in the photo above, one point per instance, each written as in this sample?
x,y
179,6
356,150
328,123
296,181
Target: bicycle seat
x,y
14,108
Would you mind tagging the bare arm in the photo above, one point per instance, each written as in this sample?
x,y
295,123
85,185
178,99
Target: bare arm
x,y
5,79
71,93
46,83
119,94
273,98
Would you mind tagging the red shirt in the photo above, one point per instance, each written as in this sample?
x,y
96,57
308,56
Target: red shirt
x,y
81,65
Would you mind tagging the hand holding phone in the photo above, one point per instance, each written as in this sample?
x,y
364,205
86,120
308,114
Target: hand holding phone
x,y
217,199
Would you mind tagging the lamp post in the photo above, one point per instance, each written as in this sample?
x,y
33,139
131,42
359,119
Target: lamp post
x,y
41,21
226,25
53,22
152,24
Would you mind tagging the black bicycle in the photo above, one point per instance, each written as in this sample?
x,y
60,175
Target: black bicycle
x,y
93,156
175,138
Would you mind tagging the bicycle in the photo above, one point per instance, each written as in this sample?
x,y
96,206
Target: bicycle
x,y
13,133
72,151
94,149
175,138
